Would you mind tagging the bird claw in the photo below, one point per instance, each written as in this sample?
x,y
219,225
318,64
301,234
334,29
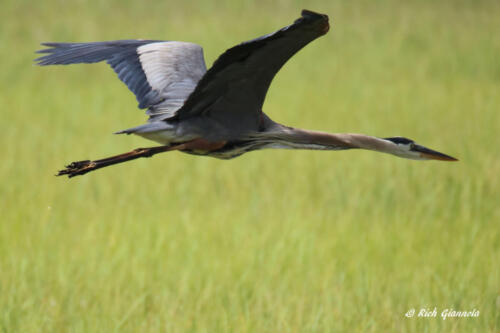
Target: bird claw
x,y
77,168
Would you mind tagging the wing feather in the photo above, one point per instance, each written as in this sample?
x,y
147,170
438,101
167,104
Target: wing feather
x,y
161,74
170,78
233,90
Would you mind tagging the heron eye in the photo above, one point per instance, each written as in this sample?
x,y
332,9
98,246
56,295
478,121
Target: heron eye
x,y
412,146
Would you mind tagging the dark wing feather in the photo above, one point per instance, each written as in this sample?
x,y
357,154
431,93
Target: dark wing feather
x,y
161,74
233,90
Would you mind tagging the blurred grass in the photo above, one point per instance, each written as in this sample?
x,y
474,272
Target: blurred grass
x,y
273,241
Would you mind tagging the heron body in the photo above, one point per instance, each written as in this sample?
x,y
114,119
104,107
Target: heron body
x,y
215,112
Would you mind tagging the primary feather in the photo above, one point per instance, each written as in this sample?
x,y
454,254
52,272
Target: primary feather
x,y
161,74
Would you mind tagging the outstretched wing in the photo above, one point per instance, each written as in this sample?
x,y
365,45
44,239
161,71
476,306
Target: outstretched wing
x,y
161,74
233,90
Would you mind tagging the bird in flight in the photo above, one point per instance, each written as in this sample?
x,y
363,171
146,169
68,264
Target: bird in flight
x,y
215,112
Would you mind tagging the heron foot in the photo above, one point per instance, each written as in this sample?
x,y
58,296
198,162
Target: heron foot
x,y
77,168
82,167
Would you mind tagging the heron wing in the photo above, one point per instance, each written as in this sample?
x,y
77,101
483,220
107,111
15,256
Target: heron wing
x,y
161,74
233,90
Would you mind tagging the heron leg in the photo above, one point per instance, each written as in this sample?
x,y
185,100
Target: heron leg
x,y
82,167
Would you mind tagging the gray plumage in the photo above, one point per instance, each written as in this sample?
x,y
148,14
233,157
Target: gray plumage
x,y
216,112
161,74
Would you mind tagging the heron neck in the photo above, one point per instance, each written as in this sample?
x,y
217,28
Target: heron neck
x,y
307,139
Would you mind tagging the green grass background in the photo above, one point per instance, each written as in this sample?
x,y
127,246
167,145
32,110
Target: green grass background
x,y
273,241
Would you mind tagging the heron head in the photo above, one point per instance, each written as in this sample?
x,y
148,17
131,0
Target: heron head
x,y
407,148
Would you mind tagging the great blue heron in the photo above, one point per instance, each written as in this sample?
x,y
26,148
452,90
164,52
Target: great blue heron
x,y
217,112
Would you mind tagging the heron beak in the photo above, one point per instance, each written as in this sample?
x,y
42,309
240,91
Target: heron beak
x,y
432,154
